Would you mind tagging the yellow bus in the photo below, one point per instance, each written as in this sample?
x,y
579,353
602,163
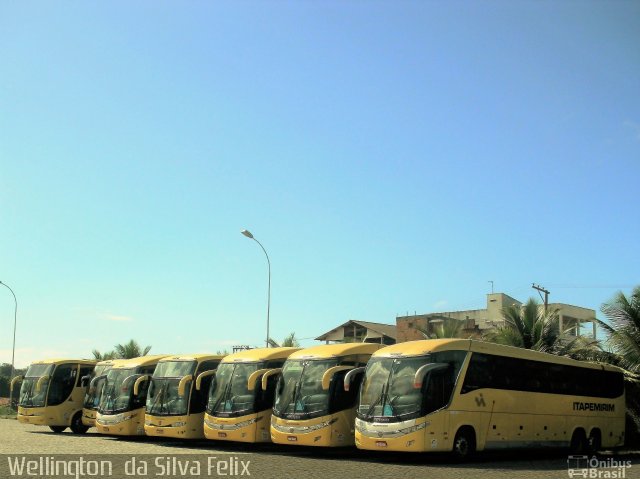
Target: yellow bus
x,y
463,396
94,384
241,396
52,394
312,407
178,394
124,394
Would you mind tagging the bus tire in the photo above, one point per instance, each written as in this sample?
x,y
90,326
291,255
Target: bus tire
x,y
76,424
57,429
579,443
464,445
594,443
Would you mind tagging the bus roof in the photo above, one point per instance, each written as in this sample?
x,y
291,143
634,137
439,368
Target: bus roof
x,y
59,361
193,357
140,361
259,354
426,346
336,350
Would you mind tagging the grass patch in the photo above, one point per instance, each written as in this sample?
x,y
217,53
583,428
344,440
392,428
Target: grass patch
x,y
7,413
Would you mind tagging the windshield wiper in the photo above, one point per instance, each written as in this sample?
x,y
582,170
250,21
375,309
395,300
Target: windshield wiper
x,y
160,395
28,398
109,398
225,392
380,399
296,391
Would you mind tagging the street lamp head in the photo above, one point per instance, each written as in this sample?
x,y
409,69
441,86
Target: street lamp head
x,y
247,233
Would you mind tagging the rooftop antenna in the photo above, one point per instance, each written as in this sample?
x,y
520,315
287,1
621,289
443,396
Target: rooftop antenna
x,y
491,286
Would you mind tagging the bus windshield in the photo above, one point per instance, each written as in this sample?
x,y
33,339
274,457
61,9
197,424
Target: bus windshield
x,y
229,395
94,388
299,394
29,397
388,389
163,398
116,392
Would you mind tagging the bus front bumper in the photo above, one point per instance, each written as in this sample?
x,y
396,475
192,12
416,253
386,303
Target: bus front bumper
x,y
249,428
89,417
310,432
42,416
130,423
403,436
181,427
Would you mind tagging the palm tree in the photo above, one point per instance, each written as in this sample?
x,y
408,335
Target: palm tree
x,y
130,350
529,326
98,356
448,328
289,341
623,333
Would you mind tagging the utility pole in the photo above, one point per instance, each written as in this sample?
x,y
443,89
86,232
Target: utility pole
x,y
546,294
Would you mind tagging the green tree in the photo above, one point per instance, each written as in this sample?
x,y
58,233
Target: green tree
x,y
448,328
290,341
130,350
122,351
98,356
528,326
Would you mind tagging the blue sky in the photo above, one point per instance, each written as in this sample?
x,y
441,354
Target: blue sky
x,y
391,156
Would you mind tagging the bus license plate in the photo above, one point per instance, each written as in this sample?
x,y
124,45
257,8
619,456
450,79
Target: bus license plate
x,y
222,434
106,429
159,431
292,438
381,443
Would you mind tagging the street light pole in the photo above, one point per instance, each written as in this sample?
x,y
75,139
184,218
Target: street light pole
x,y
15,322
248,234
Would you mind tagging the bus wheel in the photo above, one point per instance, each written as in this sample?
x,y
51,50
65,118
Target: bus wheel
x,y
76,424
595,441
57,428
464,445
579,442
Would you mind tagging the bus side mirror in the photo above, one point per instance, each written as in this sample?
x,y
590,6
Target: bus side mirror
x,y
267,375
349,377
85,380
41,380
421,373
203,375
93,382
182,385
139,381
253,378
328,374
13,383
